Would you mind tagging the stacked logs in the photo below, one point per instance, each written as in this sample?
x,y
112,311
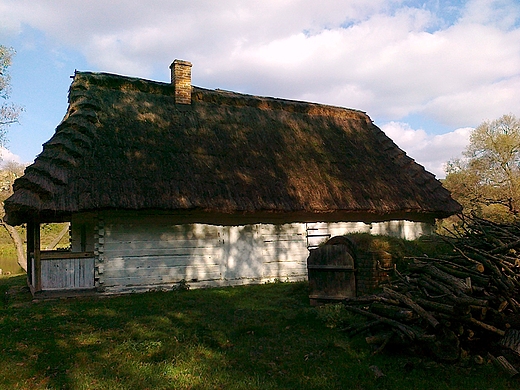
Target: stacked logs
x,y
466,301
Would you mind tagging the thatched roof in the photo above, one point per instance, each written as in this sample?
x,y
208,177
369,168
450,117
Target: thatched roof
x,y
125,145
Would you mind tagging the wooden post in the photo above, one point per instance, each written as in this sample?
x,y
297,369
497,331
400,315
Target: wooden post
x,y
37,258
30,252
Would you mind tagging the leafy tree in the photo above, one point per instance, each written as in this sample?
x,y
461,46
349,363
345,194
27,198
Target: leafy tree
x,y
8,174
487,180
9,112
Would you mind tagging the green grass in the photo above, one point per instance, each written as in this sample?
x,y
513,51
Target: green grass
x,y
251,337
8,261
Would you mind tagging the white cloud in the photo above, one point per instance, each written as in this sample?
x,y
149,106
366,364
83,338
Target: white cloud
x,y
496,12
8,156
455,63
484,102
431,151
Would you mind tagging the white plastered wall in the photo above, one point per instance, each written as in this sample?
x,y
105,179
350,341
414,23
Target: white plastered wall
x,y
151,251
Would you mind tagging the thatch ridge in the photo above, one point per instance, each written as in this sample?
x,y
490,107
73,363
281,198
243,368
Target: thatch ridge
x,y
125,144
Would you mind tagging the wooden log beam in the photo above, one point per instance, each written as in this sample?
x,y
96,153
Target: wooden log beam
x,y
463,273
395,312
500,278
414,306
436,306
485,326
403,329
368,299
505,247
515,307
30,253
448,291
434,272
466,300
477,264
37,258
469,267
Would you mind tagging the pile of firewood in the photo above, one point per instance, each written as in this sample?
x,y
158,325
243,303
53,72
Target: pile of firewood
x,y
466,302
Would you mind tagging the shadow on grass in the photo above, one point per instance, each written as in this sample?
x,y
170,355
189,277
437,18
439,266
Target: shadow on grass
x,y
246,337
252,337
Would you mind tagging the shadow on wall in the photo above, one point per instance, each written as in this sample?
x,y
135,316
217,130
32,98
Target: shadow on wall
x,y
320,232
157,252
403,229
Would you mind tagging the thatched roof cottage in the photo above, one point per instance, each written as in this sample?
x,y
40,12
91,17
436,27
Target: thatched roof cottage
x,y
167,181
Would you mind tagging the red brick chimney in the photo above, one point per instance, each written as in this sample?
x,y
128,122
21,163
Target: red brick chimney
x,y
181,80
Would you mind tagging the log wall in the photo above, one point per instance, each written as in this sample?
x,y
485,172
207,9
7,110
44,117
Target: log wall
x,y
155,252
320,232
139,251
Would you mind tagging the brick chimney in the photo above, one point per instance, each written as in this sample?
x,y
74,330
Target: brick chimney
x,y
181,80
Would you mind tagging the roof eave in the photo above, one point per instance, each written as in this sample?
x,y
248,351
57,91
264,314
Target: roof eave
x,y
19,215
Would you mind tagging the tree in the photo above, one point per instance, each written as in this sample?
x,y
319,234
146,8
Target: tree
x,y
8,174
487,180
9,112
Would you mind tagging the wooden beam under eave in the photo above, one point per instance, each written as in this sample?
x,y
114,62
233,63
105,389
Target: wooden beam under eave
x,y
30,252
37,259
34,256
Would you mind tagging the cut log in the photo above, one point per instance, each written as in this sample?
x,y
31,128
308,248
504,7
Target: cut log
x,y
410,333
436,306
504,364
451,281
414,306
463,273
395,312
487,327
506,247
466,300
468,260
368,299
503,305
466,297
427,282
500,277
514,304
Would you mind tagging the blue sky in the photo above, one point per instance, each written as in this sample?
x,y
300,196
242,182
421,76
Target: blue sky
x,y
426,72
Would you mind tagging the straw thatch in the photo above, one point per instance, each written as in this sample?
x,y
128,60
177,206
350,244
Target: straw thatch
x,y
124,144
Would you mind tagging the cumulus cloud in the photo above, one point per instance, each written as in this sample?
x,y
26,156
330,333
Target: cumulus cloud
x,y
7,156
456,63
496,12
483,102
431,151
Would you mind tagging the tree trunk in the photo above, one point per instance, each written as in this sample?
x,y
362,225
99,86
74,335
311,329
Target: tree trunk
x,y
58,238
18,244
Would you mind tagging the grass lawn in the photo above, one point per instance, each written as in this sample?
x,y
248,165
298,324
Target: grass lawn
x,y
252,337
